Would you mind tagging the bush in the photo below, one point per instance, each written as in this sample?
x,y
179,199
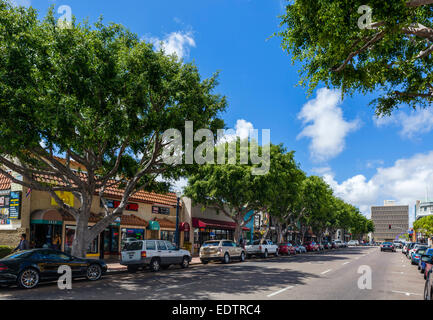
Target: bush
x,y
4,251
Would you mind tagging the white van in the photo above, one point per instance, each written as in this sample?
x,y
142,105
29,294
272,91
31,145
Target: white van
x,y
156,254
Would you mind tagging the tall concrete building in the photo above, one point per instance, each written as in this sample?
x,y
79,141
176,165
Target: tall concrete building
x,y
390,220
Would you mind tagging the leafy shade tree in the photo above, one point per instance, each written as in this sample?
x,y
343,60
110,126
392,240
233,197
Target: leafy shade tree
x,y
231,187
390,55
283,183
424,225
101,99
360,225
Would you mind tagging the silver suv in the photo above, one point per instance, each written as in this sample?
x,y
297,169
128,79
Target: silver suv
x,y
157,254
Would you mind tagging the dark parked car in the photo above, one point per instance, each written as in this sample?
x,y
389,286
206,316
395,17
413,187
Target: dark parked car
x,y
387,246
28,268
327,245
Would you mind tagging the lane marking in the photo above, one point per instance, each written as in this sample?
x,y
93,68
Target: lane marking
x,y
346,262
279,291
407,293
326,271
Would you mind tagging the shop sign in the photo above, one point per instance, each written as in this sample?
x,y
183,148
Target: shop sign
x,y
15,205
66,197
160,210
154,225
52,222
112,204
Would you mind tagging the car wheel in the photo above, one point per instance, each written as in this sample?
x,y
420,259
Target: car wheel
x,y
226,258
132,269
185,263
155,265
242,258
265,255
28,278
94,272
204,261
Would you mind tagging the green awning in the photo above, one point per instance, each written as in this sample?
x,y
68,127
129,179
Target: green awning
x,y
153,225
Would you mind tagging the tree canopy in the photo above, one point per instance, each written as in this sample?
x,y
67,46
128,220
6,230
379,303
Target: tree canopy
x,y
384,48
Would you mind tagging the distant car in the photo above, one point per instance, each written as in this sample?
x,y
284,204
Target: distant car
x,y
300,248
311,246
416,256
327,245
221,250
30,267
387,246
405,248
414,249
338,243
411,248
351,243
286,248
156,254
398,244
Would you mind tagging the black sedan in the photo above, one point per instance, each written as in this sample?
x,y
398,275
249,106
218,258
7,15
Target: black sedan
x,y
28,268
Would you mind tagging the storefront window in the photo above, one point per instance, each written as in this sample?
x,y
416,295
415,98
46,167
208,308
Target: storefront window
x,y
69,239
132,234
46,236
167,235
186,236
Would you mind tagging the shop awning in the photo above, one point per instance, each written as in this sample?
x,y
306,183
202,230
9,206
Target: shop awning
x,y
49,216
184,226
217,224
166,224
133,220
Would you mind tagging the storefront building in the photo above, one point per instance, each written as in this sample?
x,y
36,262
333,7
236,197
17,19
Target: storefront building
x,y
35,213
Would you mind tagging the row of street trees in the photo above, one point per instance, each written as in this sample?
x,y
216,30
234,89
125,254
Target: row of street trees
x,y
424,225
290,197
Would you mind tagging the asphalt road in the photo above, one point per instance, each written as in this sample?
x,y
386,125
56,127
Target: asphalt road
x,y
331,275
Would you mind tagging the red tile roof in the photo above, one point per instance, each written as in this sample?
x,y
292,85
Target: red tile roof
x,y
169,199
133,220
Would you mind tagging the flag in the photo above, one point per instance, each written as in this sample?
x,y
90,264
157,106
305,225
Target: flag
x,y
29,190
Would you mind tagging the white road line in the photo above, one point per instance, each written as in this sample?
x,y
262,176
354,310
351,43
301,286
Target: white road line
x,y
279,291
407,293
326,271
346,262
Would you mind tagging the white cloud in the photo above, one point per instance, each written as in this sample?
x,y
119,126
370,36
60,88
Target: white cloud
x,y
23,3
178,42
241,130
324,125
415,123
405,181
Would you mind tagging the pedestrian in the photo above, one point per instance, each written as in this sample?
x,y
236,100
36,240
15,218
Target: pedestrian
x,y
23,245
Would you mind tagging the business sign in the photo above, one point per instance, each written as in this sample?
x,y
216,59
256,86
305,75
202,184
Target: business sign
x,y
160,210
15,205
4,208
66,197
112,204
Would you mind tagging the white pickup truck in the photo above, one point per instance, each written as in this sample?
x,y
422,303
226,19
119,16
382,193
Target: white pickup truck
x,y
261,248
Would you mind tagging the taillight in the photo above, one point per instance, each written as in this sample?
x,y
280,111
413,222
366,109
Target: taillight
x,y
143,254
3,267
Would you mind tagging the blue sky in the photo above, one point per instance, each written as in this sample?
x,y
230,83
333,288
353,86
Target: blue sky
x,y
364,160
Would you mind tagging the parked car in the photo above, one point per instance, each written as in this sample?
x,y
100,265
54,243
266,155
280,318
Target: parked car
x,y
300,248
398,244
416,256
221,250
30,267
387,246
428,287
311,246
156,254
352,243
405,248
410,249
286,248
321,247
428,267
327,245
415,248
261,248
425,258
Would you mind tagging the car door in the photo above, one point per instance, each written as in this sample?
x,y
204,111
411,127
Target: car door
x,y
236,250
174,254
46,266
162,252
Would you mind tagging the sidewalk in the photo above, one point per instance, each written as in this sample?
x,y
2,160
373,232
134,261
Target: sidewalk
x,y
115,266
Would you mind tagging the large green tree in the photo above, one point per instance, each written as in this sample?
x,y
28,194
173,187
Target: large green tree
x,y
99,97
338,44
424,225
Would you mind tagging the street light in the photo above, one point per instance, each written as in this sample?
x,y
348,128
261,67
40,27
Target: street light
x,y
178,194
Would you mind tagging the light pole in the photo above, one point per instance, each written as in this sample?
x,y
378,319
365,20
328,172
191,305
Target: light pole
x,y
178,194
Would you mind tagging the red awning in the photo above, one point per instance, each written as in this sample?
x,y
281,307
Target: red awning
x,y
209,223
184,226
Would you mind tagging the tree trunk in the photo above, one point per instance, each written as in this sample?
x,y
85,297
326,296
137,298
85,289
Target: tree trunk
x,y
80,243
238,231
279,232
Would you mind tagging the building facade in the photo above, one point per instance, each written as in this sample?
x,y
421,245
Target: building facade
x,y
423,209
390,221
36,214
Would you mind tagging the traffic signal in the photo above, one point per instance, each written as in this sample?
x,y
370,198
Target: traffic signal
x,y
389,227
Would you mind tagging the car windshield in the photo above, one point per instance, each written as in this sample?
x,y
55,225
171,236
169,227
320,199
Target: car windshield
x,y
21,254
211,244
421,251
387,243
